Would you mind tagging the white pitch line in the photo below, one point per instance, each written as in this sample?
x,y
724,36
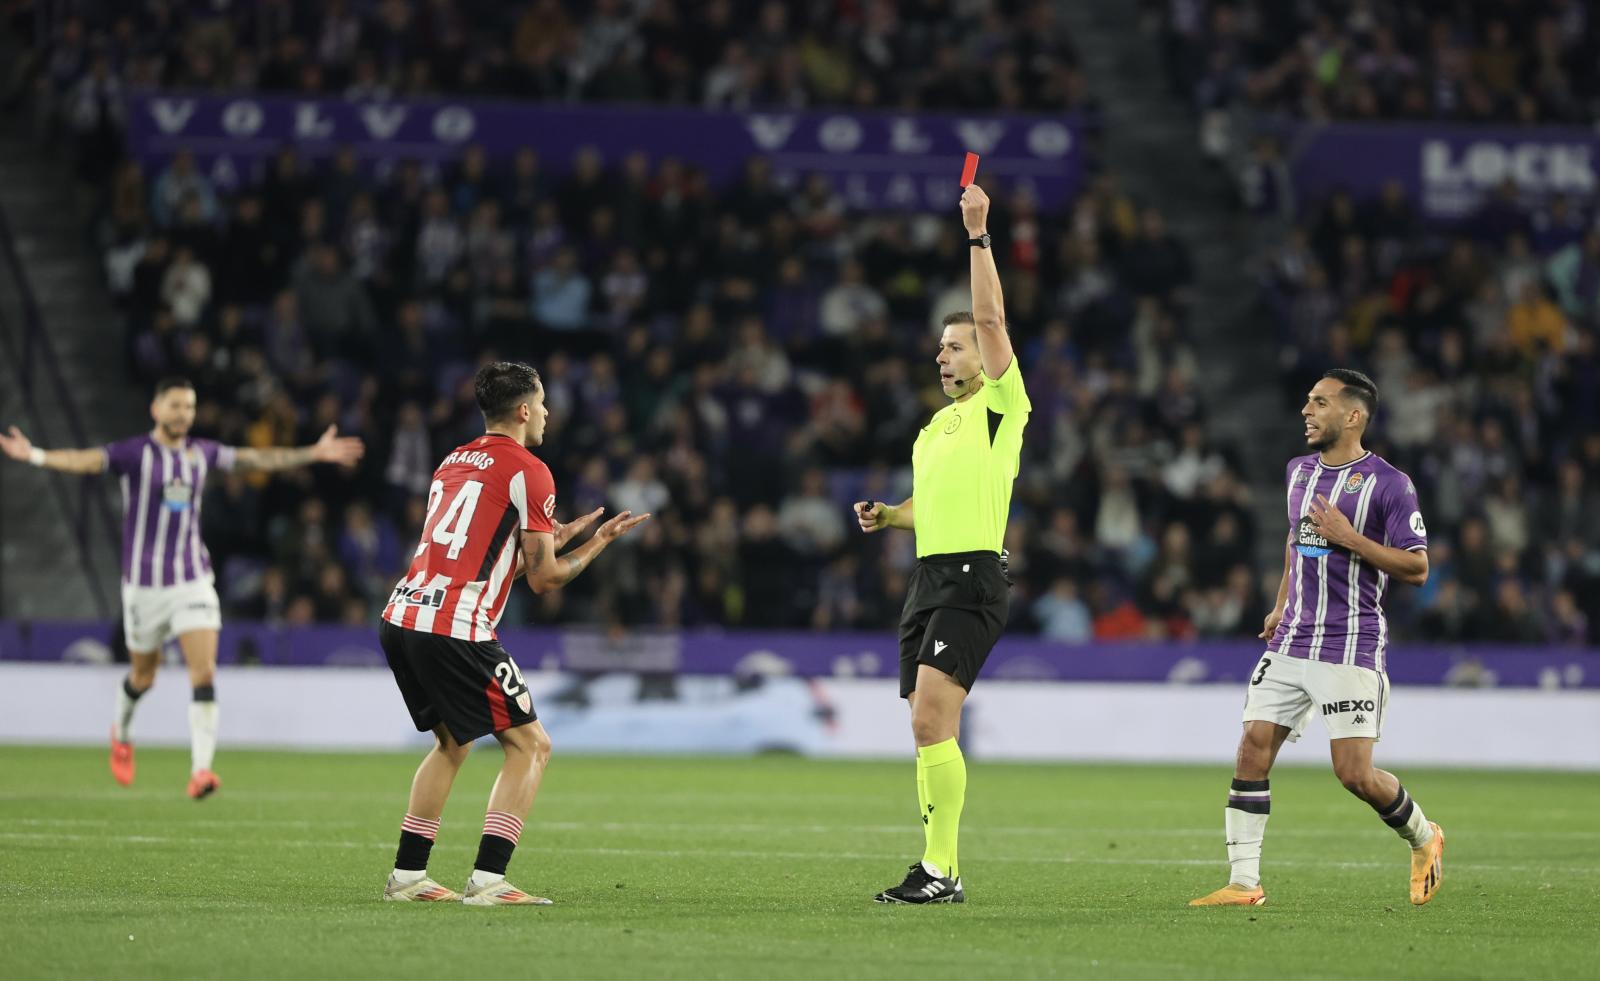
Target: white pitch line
x,y
810,856
1121,833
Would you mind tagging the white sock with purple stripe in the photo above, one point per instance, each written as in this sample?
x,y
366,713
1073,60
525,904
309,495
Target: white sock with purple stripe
x,y
1405,816
1245,819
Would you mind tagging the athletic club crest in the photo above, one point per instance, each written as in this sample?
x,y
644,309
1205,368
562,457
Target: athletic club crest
x,y
1353,484
524,701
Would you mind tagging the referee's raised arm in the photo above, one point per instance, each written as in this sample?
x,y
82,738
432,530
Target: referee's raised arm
x,y
988,306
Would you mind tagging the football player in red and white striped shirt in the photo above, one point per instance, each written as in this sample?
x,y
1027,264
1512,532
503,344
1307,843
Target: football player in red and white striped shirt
x,y
490,520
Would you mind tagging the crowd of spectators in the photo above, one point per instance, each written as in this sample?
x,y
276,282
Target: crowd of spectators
x,y
743,361
1479,61
928,54
1483,342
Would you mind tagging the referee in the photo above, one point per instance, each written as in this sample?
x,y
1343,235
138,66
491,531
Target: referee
x,y
963,464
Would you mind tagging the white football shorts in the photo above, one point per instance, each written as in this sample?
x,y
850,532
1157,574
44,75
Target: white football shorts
x,y
1290,690
152,615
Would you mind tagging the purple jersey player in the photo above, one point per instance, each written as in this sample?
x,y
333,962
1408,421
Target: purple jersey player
x,y
1354,523
1335,601
167,586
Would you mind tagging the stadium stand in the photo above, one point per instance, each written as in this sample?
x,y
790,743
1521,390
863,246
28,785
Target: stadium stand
x,y
1465,62
745,363
1483,340
1473,62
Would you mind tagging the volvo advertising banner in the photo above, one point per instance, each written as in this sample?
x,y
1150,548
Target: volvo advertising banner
x,y
876,160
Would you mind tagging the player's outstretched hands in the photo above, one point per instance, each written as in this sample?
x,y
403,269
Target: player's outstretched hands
x,y
872,516
333,448
619,526
15,445
975,210
564,533
1269,626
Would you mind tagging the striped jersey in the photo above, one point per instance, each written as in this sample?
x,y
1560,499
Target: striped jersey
x,y
162,491
482,496
1334,610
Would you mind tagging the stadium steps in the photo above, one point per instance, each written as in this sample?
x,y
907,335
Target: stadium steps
x,y
1151,146
44,576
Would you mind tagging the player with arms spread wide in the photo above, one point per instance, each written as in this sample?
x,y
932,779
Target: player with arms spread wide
x,y
489,520
1354,523
167,583
963,465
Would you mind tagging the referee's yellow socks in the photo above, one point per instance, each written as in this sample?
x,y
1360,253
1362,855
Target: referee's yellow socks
x,y
922,797
944,779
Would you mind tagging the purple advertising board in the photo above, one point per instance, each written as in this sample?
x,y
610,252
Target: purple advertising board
x,y
1447,169
893,161
842,654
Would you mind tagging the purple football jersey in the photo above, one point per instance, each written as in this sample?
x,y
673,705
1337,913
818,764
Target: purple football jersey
x,y
1334,611
161,495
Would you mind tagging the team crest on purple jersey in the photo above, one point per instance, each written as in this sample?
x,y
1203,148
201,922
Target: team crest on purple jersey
x,y
1353,484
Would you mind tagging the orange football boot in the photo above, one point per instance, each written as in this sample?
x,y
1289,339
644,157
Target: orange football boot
x,y
1427,867
1233,894
203,784
121,760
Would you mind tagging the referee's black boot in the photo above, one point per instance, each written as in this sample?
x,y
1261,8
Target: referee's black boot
x,y
921,886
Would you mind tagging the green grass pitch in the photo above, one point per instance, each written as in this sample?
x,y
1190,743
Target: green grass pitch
x,y
747,868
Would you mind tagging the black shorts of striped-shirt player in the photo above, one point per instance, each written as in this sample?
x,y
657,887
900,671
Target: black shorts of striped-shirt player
x,y
473,688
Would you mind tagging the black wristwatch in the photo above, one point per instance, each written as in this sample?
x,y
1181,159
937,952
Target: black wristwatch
x,y
981,242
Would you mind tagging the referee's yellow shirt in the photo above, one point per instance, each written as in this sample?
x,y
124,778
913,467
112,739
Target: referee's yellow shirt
x,y
963,464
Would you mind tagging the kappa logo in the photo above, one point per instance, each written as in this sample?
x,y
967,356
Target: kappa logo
x,y
1300,478
938,647
1361,720
1353,484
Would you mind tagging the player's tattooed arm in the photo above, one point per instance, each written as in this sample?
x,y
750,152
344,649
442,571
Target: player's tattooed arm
x,y
269,458
547,571
330,448
17,446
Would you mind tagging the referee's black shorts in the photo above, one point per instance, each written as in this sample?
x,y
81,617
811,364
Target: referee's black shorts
x,y
956,607
472,687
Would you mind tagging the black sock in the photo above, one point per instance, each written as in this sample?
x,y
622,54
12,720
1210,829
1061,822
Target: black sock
x,y
205,693
132,692
413,853
494,854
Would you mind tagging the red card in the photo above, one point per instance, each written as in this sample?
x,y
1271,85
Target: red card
x,y
970,169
